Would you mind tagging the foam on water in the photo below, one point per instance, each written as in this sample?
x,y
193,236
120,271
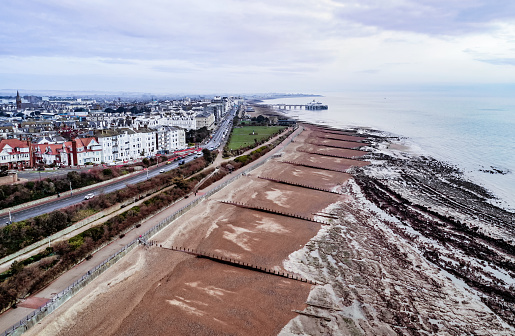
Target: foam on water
x,y
471,131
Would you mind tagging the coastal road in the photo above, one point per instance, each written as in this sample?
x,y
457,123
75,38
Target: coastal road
x,y
12,316
63,202
223,130
76,198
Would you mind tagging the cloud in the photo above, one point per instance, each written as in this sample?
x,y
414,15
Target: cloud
x,y
369,71
499,61
432,17
265,43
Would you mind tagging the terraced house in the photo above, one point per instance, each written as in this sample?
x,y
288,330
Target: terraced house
x,y
82,151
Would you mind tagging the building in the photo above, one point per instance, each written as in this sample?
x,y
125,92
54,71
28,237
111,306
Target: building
x,y
16,154
205,119
169,139
82,151
18,100
50,154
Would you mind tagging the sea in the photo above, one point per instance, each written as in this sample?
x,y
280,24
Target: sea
x,y
471,130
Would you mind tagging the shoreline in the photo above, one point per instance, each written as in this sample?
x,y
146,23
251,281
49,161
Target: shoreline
x,y
495,175
367,258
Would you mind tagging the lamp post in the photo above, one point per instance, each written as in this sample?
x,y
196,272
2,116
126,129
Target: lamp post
x,y
71,190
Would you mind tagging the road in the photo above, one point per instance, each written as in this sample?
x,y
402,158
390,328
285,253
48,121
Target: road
x,y
12,316
223,130
22,214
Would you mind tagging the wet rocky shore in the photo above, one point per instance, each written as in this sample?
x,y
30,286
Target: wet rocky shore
x,y
418,249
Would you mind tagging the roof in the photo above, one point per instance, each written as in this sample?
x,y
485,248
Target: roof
x,y
13,143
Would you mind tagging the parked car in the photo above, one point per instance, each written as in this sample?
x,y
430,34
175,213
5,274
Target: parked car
x,y
89,196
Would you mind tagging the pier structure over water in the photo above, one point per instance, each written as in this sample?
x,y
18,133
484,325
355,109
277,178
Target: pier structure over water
x,y
314,106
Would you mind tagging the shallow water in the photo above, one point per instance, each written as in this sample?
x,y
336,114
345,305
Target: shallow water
x,y
472,131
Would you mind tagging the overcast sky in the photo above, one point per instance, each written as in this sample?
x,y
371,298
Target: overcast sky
x,y
200,46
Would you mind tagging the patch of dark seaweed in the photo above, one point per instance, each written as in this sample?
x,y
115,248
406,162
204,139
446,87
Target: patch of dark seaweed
x,y
448,230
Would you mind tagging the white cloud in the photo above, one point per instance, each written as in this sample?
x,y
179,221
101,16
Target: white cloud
x,y
289,45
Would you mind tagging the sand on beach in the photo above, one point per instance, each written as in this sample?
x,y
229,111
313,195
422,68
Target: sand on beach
x,y
372,280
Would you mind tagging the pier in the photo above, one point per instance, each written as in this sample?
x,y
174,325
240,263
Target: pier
x,y
313,106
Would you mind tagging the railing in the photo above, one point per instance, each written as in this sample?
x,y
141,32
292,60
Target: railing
x,y
60,298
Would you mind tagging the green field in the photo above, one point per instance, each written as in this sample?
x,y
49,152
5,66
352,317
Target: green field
x,y
243,137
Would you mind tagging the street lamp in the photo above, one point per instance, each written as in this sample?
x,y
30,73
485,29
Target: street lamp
x,y
71,190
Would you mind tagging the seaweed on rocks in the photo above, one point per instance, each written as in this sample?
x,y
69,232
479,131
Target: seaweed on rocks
x,y
435,200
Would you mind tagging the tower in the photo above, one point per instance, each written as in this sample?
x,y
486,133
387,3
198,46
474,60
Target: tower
x,y
18,100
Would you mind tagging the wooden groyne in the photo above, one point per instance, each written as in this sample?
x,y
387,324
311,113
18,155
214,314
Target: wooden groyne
x,y
275,212
234,262
298,185
333,130
338,139
335,146
313,166
331,155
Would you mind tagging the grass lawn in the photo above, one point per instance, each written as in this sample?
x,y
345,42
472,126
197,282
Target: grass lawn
x,y
243,137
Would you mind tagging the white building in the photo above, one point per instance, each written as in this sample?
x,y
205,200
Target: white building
x,y
180,119
205,119
170,138
126,144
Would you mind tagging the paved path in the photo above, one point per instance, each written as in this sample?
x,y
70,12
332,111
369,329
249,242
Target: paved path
x,y
12,316
5,266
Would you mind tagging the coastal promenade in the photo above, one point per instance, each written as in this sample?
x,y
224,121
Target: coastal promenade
x,y
370,244
32,303
252,237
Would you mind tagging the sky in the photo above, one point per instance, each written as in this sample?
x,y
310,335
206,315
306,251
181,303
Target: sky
x,y
245,46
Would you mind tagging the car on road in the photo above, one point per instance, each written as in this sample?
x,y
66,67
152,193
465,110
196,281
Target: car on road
x,y
181,162
89,196
162,171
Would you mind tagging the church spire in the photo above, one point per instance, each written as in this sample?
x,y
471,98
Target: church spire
x,y
18,100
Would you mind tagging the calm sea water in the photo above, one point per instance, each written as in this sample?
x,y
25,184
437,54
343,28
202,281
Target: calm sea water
x,y
472,131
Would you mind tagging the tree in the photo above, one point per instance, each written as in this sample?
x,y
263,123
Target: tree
x,y
197,135
3,171
207,155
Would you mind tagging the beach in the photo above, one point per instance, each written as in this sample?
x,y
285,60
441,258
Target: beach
x,y
392,244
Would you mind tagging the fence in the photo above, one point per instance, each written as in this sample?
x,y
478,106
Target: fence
x,y
66,193
77,225
36,316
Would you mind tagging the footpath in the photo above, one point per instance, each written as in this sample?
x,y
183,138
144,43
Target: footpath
x,y
32,303
65,194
